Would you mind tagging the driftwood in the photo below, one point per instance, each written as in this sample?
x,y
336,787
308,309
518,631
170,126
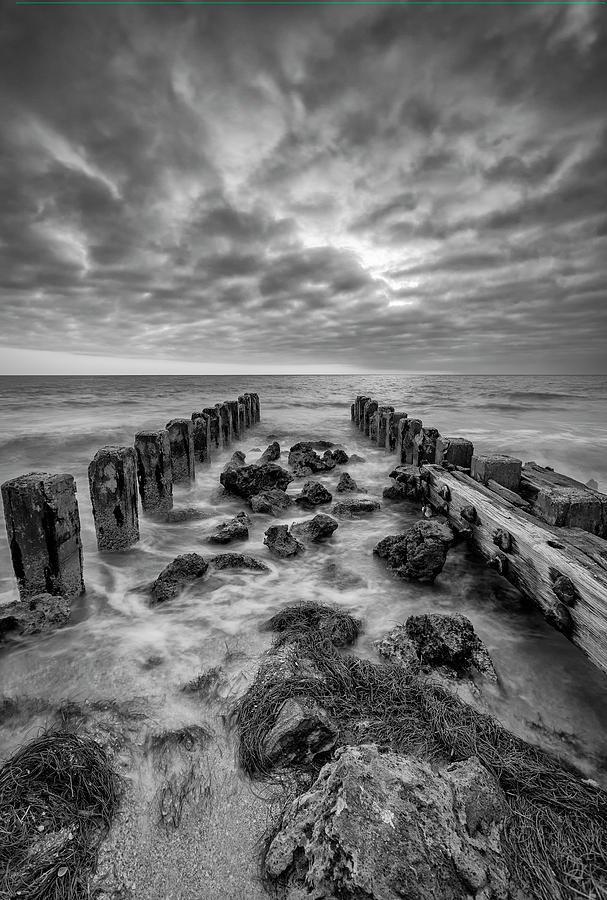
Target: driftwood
x,y
562,570
560,500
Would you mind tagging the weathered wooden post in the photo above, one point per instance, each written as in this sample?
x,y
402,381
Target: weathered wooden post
x,y
424,446
384,414
242,400
249,410
456,451
407,430
352,409
181,443
154,470
392,437
201,435
373,425
504,470
225,423
242,417
113,488
234,420
356,405
361,412
370,409
43,528
256,408
214,425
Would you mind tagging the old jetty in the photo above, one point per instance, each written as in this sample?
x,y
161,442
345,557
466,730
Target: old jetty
x,y
544,532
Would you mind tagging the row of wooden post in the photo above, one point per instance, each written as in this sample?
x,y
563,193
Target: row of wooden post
x,y
41,510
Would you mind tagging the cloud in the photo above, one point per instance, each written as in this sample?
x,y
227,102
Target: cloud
x,y
374,187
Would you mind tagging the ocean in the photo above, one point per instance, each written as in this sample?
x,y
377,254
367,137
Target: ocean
x,y
116,646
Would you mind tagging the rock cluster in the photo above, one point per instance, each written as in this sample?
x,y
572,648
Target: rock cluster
x,y
248,480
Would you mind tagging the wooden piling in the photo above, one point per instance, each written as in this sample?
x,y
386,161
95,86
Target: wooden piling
x,y
392,436
407,430
225,423
113,488
154,474
242,417
43,528
424,446
505,470
256,408
362,401
370,407
181,443
560,500
214,425
457,451
234,419
201,435
384,414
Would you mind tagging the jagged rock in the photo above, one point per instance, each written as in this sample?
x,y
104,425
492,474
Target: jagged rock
x,y
438,640
321,526
356,459
419,553
272,502
176,576
328,460
353,506
313,494
33,615
346,483
186,514
249,480
271,453
305,461
302,731
340,457
407,485
236,529
238,561
385,826
593,484
281,542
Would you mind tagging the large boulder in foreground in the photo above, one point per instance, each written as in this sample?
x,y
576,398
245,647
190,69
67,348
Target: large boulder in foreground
x,y
385,827
279,541
34,615
313,494
438,640
321,526
184,570
272,502
236,529
248,480
419,553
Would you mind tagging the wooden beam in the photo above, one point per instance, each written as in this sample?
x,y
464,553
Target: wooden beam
x,y
562,570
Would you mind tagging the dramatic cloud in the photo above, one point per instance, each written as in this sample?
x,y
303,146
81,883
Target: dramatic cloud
x,y
382,188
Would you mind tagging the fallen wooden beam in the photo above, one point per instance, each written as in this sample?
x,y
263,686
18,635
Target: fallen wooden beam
x,y
560,500
562,570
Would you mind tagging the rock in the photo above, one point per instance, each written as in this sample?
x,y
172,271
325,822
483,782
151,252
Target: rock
x,y
304,459
33,615
272,502
271,453
424,446
328,460
176,576
353,506
419,553
340,457
346,483
593,484
249,480
236,529
385,826
354,459
238,561
281,542
315,529
313,494
302,731
407,485
186,514
438,640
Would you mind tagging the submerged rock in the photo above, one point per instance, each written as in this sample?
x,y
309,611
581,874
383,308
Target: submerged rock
x,y
34,615
355,458
272,502
271,453
238,561
353,506
236,529
385,826
346,483
279,540
302,731
186,514
313,494
438,640
321,526
176,576
249,480
419,553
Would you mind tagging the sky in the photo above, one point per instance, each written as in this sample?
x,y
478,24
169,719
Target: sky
x,y
289,189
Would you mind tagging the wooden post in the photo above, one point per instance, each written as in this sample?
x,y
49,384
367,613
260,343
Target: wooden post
x,y
384,414
43,528
454,450
154,470
561,570
560,500
224,424
505,470
181,443
424,446
361,412
257,408
234,420
113,487
214,425
201,434
392,439
352,408
407,430
242,417
369,408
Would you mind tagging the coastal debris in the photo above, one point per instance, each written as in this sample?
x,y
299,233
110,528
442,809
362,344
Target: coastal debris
x,y
279,541
562,501
236,529
301,732
113,488
181,443
154,472
495,467
272,502
424,446
179,573
408,429
313,493
419,553
34,615
43,529
201,435
455,451
316,529
58,794
332,623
